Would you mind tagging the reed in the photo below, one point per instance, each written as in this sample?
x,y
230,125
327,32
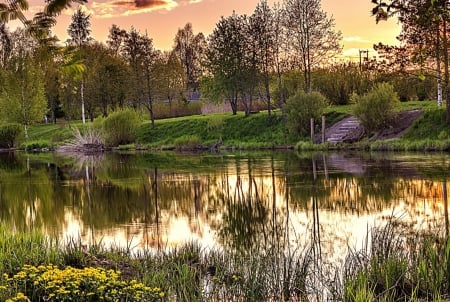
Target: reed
x,y
393,265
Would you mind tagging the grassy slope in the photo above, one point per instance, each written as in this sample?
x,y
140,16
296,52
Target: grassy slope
x,y
256,130
235,130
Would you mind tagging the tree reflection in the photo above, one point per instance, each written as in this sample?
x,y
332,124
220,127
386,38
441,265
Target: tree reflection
x,y
242,201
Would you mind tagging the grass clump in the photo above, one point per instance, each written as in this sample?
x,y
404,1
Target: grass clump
x,y
399,266
18,249
120,127
87,139
187,142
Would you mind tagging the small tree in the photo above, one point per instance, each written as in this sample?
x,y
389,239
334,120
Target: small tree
x,y
376,109
22,99
301,108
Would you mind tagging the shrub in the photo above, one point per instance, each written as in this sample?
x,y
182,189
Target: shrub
x,y
120,127
9,135
376,109
301,108
36,145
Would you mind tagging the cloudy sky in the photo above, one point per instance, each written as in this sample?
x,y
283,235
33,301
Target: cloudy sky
x,y
162,18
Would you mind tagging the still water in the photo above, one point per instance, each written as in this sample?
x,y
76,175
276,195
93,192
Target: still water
x,y
231,200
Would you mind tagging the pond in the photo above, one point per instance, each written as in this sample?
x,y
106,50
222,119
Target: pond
x,y
231,200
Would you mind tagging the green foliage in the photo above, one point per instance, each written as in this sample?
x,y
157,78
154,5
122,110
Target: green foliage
x,y
301,108
376,109
10,134
120,127
338,82
36,145
291,83
22,99
413,87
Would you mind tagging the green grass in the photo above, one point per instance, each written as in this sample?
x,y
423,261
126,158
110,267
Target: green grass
x,y
48,135
430,132
256,130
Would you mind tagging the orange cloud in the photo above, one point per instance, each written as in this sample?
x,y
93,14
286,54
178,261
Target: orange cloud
x,y
113,8
137,4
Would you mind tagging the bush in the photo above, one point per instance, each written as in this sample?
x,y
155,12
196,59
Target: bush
x,y
376,109
120,127
301,108
36,145
9,135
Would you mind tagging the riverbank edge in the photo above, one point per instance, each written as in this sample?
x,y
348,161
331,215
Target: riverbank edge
x,y
215,133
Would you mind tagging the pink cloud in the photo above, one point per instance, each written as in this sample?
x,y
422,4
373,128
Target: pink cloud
x,y
113,8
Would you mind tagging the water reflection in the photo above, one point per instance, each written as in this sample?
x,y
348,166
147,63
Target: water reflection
x,y
238,201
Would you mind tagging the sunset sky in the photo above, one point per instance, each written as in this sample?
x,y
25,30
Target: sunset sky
x,y
162,18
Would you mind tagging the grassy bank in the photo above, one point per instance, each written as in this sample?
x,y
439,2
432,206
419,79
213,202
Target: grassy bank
x,y
221,130
396,265
429,132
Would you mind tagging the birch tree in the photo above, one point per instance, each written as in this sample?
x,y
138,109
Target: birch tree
x,y
79,30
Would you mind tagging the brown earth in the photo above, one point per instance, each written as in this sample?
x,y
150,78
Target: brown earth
x,y
402,122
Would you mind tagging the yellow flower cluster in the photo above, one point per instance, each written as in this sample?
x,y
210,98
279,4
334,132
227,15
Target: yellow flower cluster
x,y
73,284
19,297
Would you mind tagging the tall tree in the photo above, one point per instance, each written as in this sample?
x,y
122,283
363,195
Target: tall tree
x,y
169,78
139,52
106,80
313,37
190,49
116,39
231,62
262,30
424,34
79,30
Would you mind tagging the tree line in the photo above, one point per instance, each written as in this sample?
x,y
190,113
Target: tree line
x,y
264,58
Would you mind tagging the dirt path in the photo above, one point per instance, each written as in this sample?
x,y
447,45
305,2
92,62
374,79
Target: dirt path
x,y
350,129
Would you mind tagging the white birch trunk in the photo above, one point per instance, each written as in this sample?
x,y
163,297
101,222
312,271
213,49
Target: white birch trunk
x,y
83,115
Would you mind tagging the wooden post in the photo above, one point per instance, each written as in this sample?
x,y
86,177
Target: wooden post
x,y
312,130
323,129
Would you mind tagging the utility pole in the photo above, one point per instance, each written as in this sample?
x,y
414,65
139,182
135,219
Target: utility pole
x,y
366,57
